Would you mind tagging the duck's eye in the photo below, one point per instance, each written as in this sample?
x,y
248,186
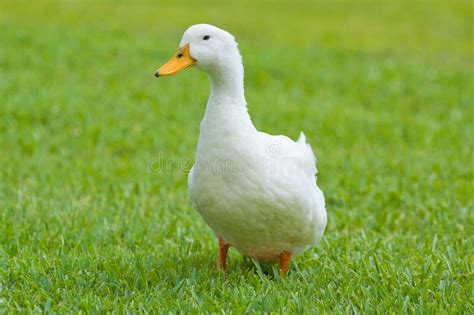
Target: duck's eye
x,y
206,37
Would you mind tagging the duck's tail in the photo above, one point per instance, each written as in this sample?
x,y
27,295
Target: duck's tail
x,y
302,138
310,154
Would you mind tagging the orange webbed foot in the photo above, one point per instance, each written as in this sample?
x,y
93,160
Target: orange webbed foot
x,y
285,258
223,248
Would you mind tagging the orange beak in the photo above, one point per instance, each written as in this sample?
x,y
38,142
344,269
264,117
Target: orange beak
x,y
180,61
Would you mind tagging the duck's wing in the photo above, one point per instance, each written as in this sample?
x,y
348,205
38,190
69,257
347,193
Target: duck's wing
x,y
296,155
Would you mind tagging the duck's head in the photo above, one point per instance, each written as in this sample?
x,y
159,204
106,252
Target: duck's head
x,y
205,46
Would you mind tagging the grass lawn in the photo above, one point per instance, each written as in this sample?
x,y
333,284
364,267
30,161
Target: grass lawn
x,y
383,91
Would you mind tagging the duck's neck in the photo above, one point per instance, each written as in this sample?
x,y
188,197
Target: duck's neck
x,y
226,111
227,82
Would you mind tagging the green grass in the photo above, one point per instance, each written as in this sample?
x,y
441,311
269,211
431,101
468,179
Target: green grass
x,y
384,93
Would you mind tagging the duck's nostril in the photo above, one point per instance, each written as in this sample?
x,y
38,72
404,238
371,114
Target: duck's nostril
x,y
179,55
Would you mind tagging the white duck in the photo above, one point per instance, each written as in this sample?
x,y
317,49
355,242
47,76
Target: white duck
x,y
257,192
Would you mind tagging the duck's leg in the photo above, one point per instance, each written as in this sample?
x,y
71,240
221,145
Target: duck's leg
x,y
223,248
285,258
